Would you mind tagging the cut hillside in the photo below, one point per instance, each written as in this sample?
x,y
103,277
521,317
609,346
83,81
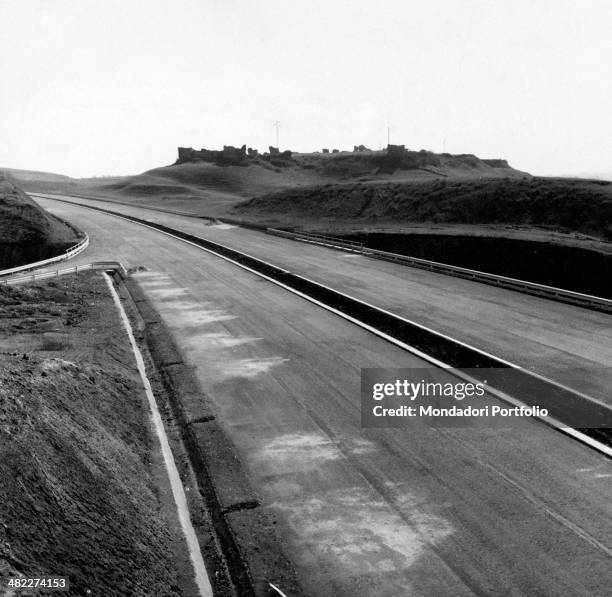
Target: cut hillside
x,y
27,232
563,205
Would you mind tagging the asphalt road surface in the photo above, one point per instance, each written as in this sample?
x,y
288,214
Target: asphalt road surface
x,y
565,343
386,512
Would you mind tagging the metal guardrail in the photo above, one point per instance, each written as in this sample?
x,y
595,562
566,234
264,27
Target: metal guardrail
x,y
319,239
96,265
550,292
562,402
68,254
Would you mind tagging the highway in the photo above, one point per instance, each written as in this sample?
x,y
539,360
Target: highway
x,y
393,512
565,343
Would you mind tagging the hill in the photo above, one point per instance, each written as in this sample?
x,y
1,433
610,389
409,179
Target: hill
x,y
28,233
34,175
267,173
214,186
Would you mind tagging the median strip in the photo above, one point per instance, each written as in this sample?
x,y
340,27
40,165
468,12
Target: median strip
x,y
563,403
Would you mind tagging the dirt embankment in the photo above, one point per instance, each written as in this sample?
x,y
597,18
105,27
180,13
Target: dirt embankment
x,y
578,268
77,485
27,233
564,205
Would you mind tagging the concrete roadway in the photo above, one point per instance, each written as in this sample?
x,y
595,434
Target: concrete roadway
x,y
387,512
563,342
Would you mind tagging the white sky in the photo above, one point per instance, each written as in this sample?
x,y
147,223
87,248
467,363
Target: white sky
x,y
98,87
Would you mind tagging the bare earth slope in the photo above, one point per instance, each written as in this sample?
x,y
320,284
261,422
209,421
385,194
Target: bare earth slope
x,y
77,478
27,232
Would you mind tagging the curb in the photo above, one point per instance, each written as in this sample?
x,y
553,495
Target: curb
x,y
245,528
436,348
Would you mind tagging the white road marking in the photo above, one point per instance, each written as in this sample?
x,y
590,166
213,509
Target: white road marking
x,y
178,491
577,435
277,590
222,226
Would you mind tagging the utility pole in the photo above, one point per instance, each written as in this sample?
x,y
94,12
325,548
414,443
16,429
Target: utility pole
x,y
277,125
388,135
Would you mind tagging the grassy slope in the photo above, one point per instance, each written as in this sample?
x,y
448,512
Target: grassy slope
x,y
558,204
365,190
214,189
34,175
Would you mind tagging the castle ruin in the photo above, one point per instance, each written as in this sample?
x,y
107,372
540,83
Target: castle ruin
x,y
229,155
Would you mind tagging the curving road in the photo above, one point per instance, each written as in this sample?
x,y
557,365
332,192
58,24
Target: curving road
x,y
393,512
566,343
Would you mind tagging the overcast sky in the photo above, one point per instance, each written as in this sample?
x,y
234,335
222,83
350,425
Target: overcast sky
x,y
99,87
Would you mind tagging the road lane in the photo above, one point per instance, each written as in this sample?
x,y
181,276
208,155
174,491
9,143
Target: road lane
x,y
386,512
566,343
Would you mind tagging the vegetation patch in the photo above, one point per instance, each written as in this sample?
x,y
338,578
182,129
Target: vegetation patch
x,y
559,204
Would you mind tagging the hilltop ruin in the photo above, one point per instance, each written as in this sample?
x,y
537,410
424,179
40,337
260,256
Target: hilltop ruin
x,y
387,160
228,155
